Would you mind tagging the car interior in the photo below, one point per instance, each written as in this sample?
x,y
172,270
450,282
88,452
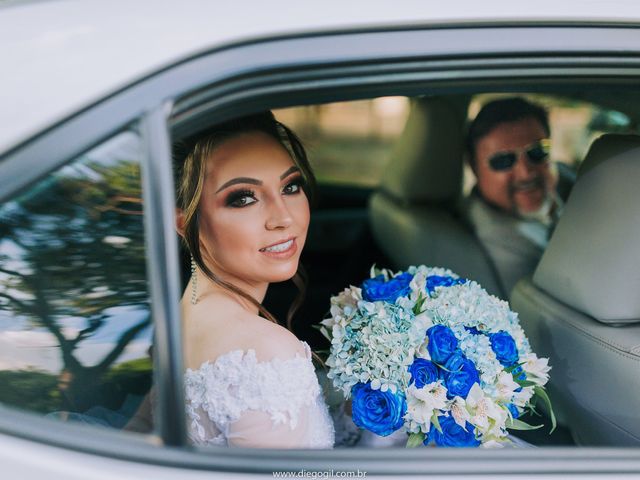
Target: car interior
x,y
580,307
392,183
414,215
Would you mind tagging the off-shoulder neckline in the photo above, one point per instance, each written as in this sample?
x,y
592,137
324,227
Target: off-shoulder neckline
x,y
251,352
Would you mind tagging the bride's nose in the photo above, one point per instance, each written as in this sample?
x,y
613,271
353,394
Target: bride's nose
x,y
279,216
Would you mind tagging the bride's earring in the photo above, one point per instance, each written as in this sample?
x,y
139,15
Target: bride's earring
x,y
194,282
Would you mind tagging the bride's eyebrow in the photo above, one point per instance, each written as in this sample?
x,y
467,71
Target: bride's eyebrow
x,y
235,181
293,169
253,181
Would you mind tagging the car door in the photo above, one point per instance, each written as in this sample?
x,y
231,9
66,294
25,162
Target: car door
x,y
204,88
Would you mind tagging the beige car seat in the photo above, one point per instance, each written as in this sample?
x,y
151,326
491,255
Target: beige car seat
x,y
582,306
415,214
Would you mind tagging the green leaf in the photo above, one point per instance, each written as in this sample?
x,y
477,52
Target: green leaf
x,y
515,424
526,383
415,440
417,308
533,411
541,393
513,367
436,422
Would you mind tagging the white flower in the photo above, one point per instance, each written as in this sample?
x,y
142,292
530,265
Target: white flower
x,y
459,411
421,404
492,444
521,398
537,369
343,306
423,321
505,387
488,417
423,350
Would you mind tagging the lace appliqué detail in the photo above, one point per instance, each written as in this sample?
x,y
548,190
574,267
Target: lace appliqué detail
x,y
219,392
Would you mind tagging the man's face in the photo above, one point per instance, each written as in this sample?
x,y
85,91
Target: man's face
x,y
523,188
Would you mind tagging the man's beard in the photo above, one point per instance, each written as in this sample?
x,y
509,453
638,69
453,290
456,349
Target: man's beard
x,y
542,213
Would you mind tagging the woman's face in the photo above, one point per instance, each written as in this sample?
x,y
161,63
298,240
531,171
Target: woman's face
x,y
254,214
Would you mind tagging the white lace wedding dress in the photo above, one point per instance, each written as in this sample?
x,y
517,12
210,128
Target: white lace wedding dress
x,y
238,401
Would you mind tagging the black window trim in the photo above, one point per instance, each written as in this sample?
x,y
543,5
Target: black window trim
x,y
267,82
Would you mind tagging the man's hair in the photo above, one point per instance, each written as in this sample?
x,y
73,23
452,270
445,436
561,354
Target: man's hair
x,y
500,111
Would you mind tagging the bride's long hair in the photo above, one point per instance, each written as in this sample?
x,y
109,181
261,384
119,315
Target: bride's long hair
x,y
190,157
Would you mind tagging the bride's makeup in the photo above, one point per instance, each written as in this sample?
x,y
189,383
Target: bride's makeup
x,y
254,211
243,197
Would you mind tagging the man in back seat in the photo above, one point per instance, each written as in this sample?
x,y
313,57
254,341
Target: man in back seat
x,y
514,205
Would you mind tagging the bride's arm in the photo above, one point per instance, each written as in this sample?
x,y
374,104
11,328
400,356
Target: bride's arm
x,y
257,429
272,394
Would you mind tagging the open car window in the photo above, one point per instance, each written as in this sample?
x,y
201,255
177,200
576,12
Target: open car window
x,y
76,348
75,320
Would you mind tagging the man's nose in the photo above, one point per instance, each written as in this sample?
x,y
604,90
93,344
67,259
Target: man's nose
x,y
523,167
279,216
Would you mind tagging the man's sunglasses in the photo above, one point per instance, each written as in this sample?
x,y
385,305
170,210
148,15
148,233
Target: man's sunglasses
x,y
537,153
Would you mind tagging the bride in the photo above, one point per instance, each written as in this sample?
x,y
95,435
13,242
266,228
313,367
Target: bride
x,y
243,214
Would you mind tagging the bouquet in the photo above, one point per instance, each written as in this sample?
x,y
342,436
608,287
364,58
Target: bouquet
x,y
434,354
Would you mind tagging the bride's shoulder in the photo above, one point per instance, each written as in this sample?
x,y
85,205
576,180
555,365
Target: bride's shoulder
x,y
214,329
271,341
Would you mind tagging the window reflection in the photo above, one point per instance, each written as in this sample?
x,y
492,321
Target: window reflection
x,y
75,320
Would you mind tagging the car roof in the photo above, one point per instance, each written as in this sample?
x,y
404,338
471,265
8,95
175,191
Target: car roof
x,y
61,56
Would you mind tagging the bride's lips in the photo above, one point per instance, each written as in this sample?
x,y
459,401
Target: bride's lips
x,y
283,249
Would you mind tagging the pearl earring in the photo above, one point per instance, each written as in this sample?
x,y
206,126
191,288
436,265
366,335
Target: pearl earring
x,y
194,282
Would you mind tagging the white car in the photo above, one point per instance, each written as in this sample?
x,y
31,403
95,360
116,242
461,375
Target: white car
x,y
93,95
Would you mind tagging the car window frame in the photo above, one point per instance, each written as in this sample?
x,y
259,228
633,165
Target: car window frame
x,y
290,71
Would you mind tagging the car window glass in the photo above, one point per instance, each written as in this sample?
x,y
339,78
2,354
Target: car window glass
x,y
75,325
361,132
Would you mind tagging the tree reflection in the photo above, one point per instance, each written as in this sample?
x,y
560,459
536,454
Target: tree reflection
x,y
72,260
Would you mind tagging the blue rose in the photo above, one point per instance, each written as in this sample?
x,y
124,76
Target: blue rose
x,y
504,347
442,343
515,413
434,281
379,412
460,375
452,435
376,288
518,373
473,330
423,372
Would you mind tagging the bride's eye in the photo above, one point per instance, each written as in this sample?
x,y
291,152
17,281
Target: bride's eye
x,y
293,187
240,198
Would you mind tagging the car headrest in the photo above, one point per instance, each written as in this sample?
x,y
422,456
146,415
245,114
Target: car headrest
x,y
426,164
592,262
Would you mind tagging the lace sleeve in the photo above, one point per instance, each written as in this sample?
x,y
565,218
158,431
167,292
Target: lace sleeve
x,y
254,404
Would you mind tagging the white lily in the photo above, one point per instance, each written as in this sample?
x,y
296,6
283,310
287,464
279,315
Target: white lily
x,y
521,398
423,321
537,369
486,415
459,411
505,386
422,402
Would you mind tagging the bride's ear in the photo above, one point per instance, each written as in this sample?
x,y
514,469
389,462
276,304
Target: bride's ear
x,y
180,222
